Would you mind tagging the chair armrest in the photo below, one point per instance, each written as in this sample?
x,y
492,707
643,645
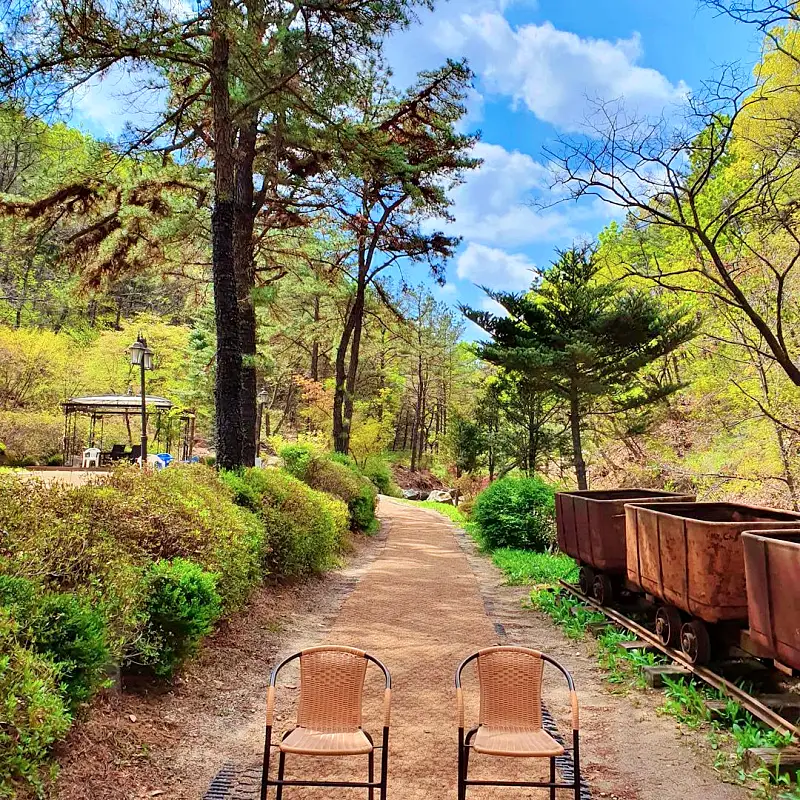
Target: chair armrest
x,y
573,696
387,707
270,705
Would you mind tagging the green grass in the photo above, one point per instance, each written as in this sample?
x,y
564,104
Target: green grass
x,y
566,611
521,567
442,508
524,567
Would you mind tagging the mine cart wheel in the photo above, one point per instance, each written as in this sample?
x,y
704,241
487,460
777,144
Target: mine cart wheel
x,y
668,625
586,580
602,590
695,642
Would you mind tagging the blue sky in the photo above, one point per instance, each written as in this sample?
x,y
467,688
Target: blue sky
x,y
539,66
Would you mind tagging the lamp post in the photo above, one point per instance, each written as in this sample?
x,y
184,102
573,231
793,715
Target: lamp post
x,y
263,399
142,357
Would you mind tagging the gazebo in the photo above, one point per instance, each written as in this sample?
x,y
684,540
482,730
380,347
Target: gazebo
x,y
99,407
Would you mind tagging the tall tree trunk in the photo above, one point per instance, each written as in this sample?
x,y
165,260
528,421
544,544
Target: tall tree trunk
x,y
244,264
228,382
577,445
341,438
352,370
533,442
314,372
347,371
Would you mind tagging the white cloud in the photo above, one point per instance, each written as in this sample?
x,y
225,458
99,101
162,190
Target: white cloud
x,y
121,96
558,75
493,307
495,268
493,205
555,74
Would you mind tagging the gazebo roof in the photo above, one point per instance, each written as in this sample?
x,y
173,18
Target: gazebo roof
x,y
111,403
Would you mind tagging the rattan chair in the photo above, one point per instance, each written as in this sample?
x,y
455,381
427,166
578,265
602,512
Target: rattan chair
x,y
329,717
510,720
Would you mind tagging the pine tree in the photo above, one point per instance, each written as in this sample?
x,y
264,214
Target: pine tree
x,y
585,340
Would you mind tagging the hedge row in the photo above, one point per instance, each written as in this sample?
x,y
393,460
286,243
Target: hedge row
x,y
133,573
337,475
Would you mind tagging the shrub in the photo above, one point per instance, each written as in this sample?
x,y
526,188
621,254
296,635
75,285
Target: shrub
x,y
377,470
72,635
305,529
101,540
64,628
31,437
516,512
343,482
297,459
182,604
32,711
188,512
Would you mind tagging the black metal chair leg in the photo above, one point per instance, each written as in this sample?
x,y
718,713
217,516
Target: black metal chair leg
x,y
384,763
466,763
552,778
371,773
281,765
460,764
265,765
576,760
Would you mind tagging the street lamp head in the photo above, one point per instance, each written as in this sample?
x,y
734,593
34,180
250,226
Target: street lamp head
x,y
263,397
141,354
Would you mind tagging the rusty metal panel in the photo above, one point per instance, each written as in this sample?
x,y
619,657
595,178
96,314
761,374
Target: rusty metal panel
x,y
566,525
673,557
649,552
582,529
591,524
632,545
772,569
560,537
690,555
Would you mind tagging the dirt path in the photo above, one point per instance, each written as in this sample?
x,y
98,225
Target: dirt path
x,y
425,602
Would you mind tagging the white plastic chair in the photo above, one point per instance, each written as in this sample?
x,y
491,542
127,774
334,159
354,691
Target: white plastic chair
x,y
91,457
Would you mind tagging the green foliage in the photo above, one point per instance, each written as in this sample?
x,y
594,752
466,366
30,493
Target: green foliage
x,y
528,567
517,513
71,634
566,611
34,715
338,478
305,529
182,604
581,338
378,471
466,443
297,459
65,629
99,541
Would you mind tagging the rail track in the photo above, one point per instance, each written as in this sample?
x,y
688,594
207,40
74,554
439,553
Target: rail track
x,y
762,712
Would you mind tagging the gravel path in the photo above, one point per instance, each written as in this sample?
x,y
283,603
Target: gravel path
x,y
427,600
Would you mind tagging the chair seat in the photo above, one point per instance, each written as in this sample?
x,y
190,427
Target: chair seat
x,y
520,743
304,741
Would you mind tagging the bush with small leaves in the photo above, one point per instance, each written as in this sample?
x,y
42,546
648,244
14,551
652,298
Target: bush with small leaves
x,y
516,512
181,606
305,529
33,714
378,471
65,628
